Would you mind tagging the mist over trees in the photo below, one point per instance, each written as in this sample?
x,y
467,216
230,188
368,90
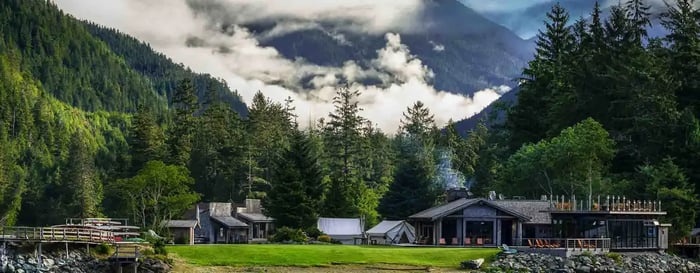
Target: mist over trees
x,y
602,106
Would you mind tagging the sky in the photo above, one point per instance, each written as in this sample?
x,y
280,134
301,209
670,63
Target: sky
x,y
246,66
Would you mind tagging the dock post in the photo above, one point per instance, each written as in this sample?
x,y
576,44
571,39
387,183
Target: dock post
x,y
136,267
119,265
39,261
66,250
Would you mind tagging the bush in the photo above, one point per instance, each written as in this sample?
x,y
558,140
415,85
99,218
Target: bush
x,y
285,234
103,249
313,232
159,247
336,242
615,256
324,238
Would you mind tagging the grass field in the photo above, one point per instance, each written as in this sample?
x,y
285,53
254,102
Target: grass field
x,y
325,255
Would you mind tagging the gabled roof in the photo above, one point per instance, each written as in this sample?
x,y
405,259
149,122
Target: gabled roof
x,y
229,221
180,223
384,227
460,204
255,217
340,226
537,210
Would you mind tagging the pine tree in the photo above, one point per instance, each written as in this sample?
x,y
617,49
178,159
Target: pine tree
x,y
419,122
181,134
297,186
82,180
545,78
414,187
146,139
684,38
343,146
638,14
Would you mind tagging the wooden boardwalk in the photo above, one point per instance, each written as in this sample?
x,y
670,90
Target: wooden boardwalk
x,y
56,235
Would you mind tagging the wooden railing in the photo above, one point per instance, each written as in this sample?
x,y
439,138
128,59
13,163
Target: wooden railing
x,y
45,234
607,203
568,243
126,252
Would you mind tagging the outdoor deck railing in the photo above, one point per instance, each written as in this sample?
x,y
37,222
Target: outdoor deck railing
x,y
45,234
568,243
607,203
94,221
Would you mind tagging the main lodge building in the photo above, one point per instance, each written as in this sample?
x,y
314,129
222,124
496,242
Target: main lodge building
x,y
613,223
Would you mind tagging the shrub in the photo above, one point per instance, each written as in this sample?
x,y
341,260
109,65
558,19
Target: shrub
x,y
336,242
615,256
147,252
103,249
285,234
159,247
313,232
324,238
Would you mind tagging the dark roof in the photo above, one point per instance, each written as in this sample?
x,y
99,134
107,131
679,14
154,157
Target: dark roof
x,y
536,210
229,221
459,204
180,223
255,217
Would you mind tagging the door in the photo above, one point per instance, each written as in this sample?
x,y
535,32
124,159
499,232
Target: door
x,y
507,232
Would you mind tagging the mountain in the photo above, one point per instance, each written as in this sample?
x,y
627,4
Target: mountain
x,y
466,51
90,67
67,90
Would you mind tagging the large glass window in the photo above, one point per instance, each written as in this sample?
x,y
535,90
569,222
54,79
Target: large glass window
x,y
479,232
631,234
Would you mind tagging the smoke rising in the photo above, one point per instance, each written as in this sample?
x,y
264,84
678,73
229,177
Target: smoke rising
x,y
210,37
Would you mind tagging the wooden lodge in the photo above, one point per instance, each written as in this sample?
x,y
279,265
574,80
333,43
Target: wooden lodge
x,y
599,225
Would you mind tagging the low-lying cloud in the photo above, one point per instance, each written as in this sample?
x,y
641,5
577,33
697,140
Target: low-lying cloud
x,y
210,37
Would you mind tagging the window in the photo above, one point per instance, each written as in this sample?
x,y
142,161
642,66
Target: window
x,y
479,232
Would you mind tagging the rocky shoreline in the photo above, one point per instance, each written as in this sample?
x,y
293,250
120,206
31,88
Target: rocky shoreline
x,y
18,260
609,263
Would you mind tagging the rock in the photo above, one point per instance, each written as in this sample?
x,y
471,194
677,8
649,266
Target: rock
x,y
473,264
583,269
49,262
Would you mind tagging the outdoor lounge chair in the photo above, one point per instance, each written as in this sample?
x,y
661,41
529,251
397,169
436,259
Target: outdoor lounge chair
x,y
454,241
584,245
442,241
467,241
479,241
551,245
507,250
529,243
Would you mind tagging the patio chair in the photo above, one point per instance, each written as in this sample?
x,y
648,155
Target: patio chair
x,y
454,241
479,241
551,245
507,250
467,241
584,245
529,243
442,241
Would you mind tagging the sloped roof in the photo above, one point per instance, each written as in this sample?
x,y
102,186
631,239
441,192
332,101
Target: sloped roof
x,y
384,227
459,204
180,223
340,226
536,210
255,217
229,221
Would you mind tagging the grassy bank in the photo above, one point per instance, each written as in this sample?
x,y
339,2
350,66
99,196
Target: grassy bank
x,y
324,255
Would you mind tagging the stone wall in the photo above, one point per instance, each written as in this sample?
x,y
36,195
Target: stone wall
x,y
641,263
24,260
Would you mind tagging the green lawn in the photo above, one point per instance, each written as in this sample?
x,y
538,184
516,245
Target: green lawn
x,y
323,255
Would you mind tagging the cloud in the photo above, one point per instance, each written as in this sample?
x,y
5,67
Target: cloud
x,y
502,5
437,47
218,43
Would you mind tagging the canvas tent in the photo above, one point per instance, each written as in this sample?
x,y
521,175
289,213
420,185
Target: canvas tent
x,y
345,230
392,232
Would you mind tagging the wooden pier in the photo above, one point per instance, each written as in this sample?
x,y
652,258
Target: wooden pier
x,y
85,232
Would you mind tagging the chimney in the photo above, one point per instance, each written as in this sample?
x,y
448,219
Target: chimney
x,y
453,194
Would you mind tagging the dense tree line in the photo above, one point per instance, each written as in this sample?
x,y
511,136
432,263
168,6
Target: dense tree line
x,y
602,108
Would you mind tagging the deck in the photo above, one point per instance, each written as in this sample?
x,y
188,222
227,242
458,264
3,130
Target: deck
x,y
56,235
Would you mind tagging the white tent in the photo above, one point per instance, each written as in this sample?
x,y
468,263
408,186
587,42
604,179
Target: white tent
x,y
345,230
392,232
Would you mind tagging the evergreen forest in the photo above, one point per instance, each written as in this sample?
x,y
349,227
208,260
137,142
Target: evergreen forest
x,y
95,123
